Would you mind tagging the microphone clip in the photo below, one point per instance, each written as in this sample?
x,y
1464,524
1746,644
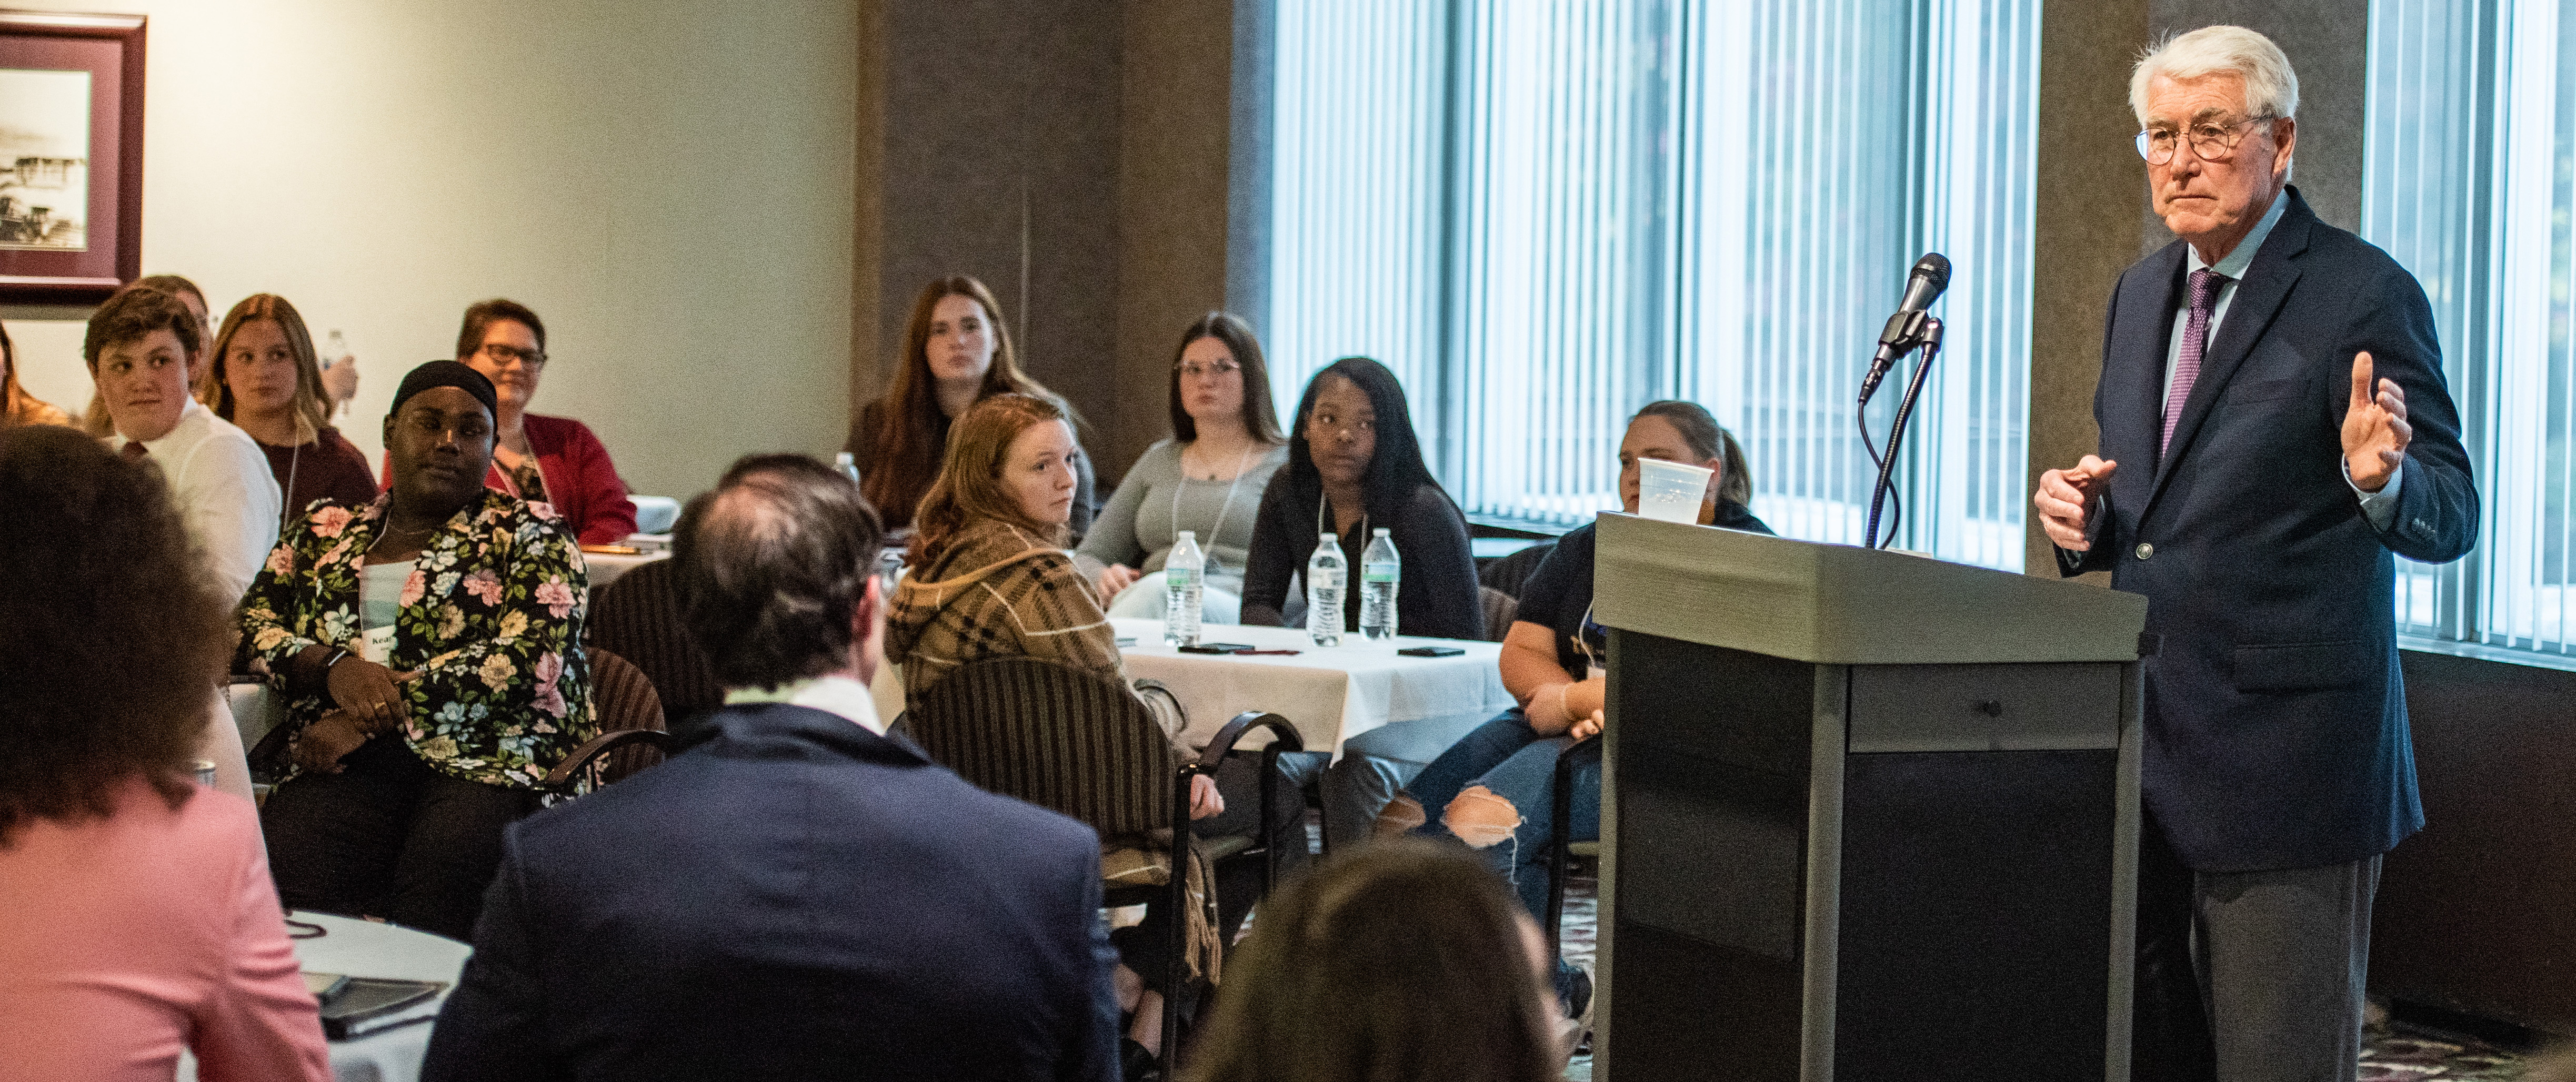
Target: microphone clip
x,y
1906,331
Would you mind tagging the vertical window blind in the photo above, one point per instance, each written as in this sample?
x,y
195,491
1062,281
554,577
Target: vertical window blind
x,y
1543,214
2470,182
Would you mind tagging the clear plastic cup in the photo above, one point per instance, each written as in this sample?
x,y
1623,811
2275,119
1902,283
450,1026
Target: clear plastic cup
x,y
1671,491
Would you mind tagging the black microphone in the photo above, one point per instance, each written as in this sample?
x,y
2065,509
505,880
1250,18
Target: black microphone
x,y
1923,285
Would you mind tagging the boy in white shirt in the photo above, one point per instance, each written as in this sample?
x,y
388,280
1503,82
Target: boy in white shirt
x,y
140,347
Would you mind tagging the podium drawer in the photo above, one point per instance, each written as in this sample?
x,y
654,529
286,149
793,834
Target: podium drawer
x,y
2017,707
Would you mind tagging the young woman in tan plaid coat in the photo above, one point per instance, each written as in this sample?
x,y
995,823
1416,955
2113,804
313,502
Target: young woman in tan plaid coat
x,y
989,574
989,577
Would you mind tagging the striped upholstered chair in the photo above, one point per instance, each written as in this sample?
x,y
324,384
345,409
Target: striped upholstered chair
x,y
632,734
1074,743
638,618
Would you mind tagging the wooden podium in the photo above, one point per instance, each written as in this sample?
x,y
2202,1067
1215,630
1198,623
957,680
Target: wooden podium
x,y
1871,815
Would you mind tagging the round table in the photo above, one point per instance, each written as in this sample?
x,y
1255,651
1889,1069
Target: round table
x,y
363,948
605,567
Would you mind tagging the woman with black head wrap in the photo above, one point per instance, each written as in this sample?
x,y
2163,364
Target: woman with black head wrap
x,y
429,645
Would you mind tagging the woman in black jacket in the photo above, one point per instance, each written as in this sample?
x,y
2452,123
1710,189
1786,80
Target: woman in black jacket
x,y
1354,466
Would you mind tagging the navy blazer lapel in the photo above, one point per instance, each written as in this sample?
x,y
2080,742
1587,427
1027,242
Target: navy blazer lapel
x,y
2133,372
2258,298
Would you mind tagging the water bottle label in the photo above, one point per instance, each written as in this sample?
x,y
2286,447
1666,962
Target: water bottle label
x,y
1327,579
1380,573
1180,578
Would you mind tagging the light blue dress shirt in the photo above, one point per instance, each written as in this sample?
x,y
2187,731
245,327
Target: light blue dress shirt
x,y
2379,507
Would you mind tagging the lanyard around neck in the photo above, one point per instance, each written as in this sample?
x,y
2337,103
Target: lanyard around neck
x,y
1208,551
1324,526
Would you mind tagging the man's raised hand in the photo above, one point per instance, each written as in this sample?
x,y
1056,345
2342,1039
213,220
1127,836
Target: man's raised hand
x,y
2375,432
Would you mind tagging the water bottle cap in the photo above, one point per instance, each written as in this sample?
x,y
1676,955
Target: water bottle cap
x,y
1189,535
1332,537
1378,532
844,457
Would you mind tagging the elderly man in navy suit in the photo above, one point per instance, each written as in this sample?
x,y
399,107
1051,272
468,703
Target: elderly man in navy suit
x,y
2275,429
798,895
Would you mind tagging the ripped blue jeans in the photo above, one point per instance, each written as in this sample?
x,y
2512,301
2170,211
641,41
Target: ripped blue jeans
x,y
1491,790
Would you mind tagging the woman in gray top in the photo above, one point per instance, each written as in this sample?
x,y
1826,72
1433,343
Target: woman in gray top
x,y
1208,478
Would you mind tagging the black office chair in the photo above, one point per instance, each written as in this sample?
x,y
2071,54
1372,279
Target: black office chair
x,y
1510,573
1561,845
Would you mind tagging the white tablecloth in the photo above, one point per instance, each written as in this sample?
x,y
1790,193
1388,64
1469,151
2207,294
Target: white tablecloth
x,y
1331,695
360,948
606,566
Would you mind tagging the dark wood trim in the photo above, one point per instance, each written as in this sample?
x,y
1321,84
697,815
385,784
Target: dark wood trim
x,y
2475,913
38,277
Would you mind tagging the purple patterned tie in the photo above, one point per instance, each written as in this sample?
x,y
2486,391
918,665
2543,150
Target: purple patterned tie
x,y
2195,335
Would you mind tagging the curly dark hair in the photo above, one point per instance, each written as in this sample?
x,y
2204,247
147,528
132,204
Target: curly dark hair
x,y
771,566
114,634
1401,961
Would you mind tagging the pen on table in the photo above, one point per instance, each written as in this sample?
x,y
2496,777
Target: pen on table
x,y
1266,653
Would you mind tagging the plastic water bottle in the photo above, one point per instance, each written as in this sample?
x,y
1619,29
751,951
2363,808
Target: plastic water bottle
x,y
1326,574
335,352
848,464
1184,591
1381,571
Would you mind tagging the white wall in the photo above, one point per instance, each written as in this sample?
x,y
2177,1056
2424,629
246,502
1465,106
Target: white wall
x,y
668,183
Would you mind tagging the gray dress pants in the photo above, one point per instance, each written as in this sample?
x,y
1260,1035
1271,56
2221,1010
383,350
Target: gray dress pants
x,y
2250,976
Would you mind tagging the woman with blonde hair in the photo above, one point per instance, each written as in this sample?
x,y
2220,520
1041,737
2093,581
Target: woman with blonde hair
x,y
17,407
956,352
267,380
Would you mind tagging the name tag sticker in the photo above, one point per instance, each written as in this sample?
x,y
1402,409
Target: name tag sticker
x,y
376,644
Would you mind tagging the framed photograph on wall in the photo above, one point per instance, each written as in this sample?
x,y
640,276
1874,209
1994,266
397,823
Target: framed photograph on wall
x,y
71,155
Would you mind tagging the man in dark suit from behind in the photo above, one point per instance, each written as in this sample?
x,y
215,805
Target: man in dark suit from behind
x,y
2275,431
795,894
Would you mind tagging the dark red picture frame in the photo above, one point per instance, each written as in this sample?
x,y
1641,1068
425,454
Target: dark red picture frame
x,y
110,48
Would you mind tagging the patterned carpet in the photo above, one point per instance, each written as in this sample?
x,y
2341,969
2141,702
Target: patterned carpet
x,y
2402,1054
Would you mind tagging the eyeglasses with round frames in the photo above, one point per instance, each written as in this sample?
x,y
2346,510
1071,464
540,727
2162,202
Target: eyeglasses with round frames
x,y
504,356
2210,140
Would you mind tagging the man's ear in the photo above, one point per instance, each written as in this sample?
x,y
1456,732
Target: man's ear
x,y
2285,143
867,628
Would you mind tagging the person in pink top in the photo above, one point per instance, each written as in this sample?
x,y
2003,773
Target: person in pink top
x,y
140,919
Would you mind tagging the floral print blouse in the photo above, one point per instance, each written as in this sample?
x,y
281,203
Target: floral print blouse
x,y
491,618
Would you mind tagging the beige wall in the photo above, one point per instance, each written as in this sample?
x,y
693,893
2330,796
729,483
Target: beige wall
x,y
667,182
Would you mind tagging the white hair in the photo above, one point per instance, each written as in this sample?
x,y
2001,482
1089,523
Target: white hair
x,y
2271,88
